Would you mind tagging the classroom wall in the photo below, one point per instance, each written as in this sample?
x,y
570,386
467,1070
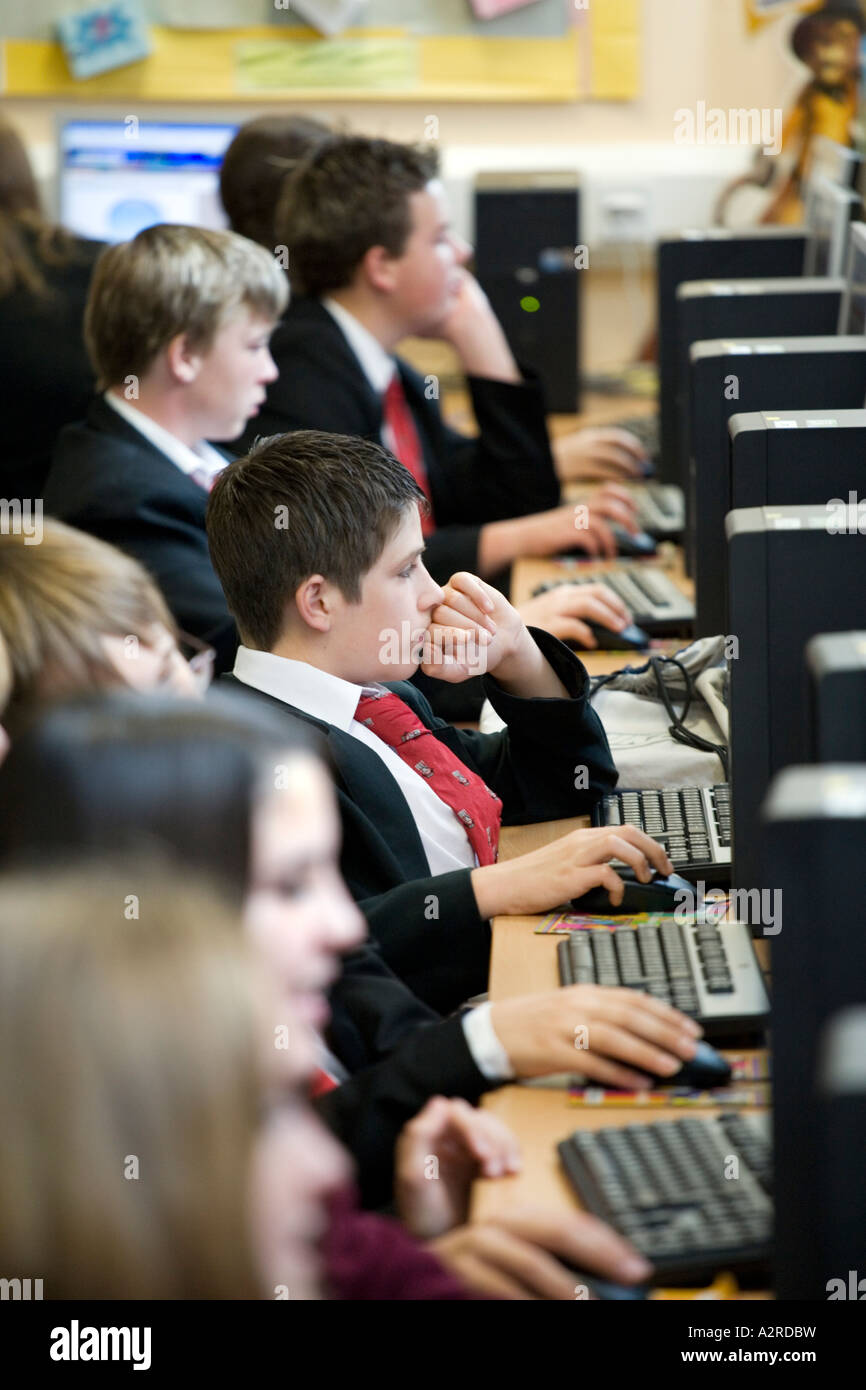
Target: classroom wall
x,y
692,50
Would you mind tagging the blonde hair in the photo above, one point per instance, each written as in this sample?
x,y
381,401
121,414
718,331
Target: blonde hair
x,y
170,280
131,1056
57,601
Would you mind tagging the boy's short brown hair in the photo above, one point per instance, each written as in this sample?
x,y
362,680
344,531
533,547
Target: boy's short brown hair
x,y
300,504
170,280
257,163
351,193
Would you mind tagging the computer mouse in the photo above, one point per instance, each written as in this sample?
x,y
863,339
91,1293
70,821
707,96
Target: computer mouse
x,y
629,545
708,1068
631,638
659,895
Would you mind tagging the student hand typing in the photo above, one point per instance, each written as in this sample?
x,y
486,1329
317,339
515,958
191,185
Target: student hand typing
x,y
605,452
560,611
517,1254
613,502
475,629
565,869
560,530
466,1144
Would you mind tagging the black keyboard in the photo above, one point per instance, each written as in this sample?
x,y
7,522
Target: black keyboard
x,y
693,824
707,969
655,601
693,1195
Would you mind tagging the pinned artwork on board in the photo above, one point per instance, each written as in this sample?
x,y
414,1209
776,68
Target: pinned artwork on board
x,y
108,36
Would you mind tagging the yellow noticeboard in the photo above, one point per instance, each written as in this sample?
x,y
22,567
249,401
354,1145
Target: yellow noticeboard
x,y
361,64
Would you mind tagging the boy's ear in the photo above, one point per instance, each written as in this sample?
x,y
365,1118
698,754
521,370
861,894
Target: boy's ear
x,y
378,267
184,363
314,601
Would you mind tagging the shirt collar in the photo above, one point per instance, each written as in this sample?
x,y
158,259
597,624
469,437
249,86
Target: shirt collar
x,y
378,365
188,460
315,692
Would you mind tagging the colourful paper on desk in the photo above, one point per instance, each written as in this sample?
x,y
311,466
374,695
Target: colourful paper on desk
x,y
561,923
371,62
749,1086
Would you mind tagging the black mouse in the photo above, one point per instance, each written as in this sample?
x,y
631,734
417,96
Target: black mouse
x,y
631,638
631,545
708,1068
659,895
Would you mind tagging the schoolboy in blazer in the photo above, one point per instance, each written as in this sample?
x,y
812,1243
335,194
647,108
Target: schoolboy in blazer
x,y
316,539
177,326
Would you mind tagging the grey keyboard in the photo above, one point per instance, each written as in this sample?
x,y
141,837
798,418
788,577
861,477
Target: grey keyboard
x,y
708,970
668,1188
693,824
661,509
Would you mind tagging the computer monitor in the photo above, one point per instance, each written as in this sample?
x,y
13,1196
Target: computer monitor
x,y
840,164
830,210
815,831
852,311
836,662
792,573
117,177
693,255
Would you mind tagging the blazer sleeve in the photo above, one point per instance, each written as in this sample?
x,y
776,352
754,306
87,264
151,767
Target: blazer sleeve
x,y
553,759
368,1111
506,469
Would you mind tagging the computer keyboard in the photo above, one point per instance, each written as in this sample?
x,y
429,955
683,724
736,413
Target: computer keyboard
x,y
661,509
708,970
655,601
646,429
693,1195
693,824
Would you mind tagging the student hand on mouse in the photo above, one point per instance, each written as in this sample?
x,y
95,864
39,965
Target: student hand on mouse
x,y
601,1032
546,877
518,1254
603,452
560,611
466,1144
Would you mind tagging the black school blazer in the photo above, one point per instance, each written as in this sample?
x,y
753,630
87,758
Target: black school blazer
x,y
108,479
506,471
428,927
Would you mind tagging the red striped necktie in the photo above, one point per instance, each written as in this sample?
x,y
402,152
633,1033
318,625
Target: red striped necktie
x,y
478,809
407,444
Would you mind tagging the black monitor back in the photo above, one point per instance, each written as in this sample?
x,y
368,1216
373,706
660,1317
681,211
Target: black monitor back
x,y
837,696
790,577
693,255
708,309
815,835
729,377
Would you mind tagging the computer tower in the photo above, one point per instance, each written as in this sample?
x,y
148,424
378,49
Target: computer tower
x,y
815,846
836,662
709,309
790,576
694,255
527,235
740,375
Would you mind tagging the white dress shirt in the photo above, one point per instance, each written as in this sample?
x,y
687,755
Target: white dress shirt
x,y
445,843
377,365
203,459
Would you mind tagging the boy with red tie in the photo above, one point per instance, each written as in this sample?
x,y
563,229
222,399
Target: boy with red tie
x,y
177,325
317,540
